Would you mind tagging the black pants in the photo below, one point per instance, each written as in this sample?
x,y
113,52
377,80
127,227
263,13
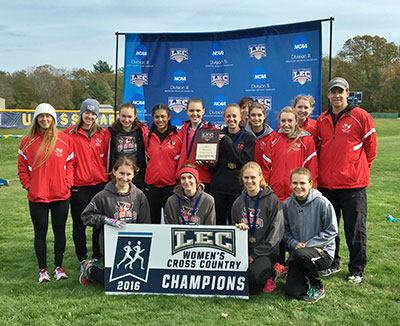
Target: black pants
x,y
305,263
352,204
259,271
40,219
223,206
157,197
80,198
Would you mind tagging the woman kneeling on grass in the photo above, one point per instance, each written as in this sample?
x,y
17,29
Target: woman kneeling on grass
x,y
310,231
45,169
259,211
105,208
190,204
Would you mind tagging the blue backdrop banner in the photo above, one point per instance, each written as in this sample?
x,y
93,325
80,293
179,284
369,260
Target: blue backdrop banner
x,y
270,64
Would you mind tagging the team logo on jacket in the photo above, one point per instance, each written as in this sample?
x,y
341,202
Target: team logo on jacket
x,y
177,104
131,257
171,144
301,76
139,79
98,142
127,144
296,147
259,222
257,51
346,128
59,152
179,54
186,212
124,211
220,79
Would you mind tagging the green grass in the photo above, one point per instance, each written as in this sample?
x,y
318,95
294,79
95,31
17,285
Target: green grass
x,y
374,302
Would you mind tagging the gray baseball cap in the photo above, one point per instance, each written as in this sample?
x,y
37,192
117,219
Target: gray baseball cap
x,y
338,82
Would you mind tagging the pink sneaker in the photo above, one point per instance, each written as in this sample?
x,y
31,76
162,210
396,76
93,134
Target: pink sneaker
x,y
270,285
60,274
44,276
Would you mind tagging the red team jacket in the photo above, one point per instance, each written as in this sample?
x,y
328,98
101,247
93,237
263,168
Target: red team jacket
x,y
90,157
162,159
279,161
204,173
52,180
346,152
261,144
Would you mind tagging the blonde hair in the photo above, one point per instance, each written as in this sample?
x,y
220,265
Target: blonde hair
x,y
48,141
255,166
289,109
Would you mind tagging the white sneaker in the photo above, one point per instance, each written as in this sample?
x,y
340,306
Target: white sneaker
x,y
44,276
60,274
354,279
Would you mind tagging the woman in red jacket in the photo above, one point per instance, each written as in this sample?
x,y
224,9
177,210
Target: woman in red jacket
x,y
292,148
90,176
163,146
45,169
195,111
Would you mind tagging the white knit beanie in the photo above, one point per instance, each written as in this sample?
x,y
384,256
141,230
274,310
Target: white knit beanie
x,y
45,108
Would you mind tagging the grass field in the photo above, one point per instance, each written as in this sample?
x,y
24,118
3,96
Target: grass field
x,y
374,302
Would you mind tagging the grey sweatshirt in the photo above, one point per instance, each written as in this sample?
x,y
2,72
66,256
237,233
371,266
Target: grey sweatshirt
x,y
130,207
269,224
313,222
205,210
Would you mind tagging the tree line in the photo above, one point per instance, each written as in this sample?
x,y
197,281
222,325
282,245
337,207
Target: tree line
x,y
369,63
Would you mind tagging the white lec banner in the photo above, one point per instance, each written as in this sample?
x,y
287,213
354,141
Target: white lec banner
x,y
176,259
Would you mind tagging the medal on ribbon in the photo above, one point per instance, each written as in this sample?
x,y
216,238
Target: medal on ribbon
x,y
252,226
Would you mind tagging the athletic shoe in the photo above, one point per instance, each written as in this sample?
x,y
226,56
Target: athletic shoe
x,y
270,285
314,294
44,276
83,277
354,279
60,274
329,271
97,263
280,270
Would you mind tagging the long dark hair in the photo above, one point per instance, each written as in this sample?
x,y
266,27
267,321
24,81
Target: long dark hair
x,y
159,106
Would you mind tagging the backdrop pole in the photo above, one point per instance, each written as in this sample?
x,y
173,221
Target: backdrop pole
x,y
116,75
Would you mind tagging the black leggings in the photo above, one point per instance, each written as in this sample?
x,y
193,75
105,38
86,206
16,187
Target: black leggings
x,y
40,219
80,198
157,197
304,263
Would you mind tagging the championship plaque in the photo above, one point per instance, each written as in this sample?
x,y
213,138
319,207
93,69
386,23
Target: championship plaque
x,y
207,145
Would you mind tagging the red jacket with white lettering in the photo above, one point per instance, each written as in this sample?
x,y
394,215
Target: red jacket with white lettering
x,y
205,175
347,150
52,180
90,157
280,158
162,158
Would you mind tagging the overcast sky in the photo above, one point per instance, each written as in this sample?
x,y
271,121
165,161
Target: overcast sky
x,y
77,33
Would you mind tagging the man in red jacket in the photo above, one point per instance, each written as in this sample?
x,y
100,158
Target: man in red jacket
x,y
347,148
